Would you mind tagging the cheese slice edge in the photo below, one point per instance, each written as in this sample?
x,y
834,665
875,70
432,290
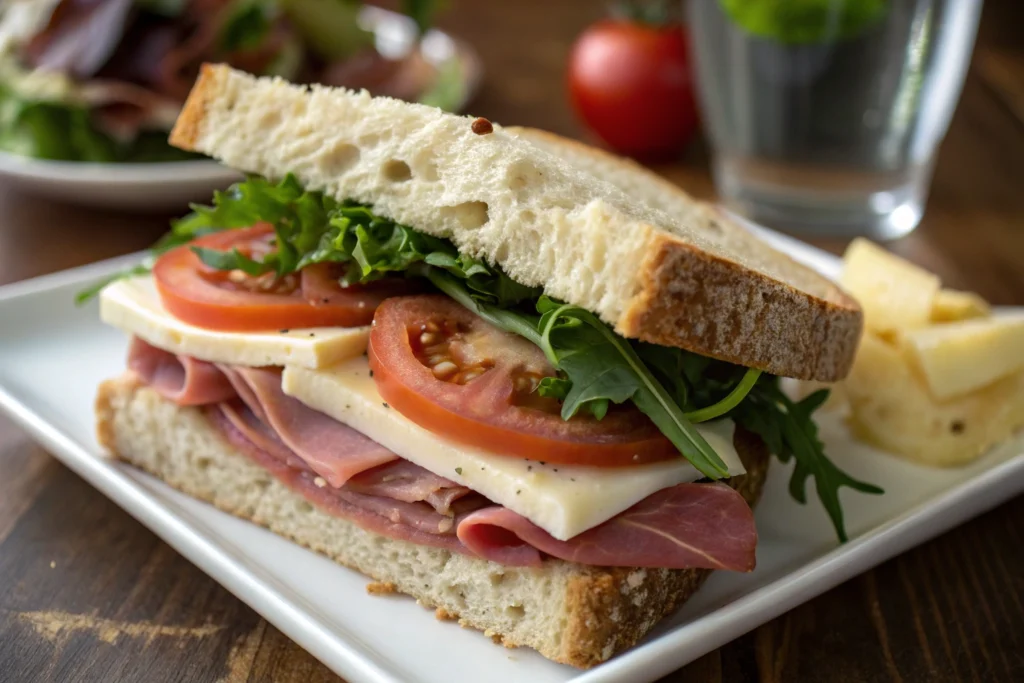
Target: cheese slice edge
x,y
564,500
133,306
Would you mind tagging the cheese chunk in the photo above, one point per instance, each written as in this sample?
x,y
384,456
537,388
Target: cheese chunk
x,y
957,358
893,409
564,500
950,305
894,294
134,306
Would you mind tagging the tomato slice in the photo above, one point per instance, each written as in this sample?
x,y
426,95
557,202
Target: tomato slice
x,y
235,302
451,372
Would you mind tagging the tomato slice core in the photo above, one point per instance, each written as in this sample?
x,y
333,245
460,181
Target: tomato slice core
x,y
453,373
232,301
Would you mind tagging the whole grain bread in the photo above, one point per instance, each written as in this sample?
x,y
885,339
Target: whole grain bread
x,y
590,228
571,613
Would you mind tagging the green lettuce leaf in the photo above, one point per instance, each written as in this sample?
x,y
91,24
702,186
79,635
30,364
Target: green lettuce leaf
x,y
59,131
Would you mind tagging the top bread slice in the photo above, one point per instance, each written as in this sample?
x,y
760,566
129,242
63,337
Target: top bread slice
x,y
590,228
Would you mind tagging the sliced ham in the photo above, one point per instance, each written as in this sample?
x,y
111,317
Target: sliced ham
x,y
346,474
406,481
413,522
706,526
709,526
334,451
260,435
400,480
184,380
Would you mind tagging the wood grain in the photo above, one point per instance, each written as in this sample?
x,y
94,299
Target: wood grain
x,y
88,594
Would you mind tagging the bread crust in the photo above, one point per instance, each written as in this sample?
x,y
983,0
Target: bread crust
x,y
707,305
606,609
185,133
701,302
659,266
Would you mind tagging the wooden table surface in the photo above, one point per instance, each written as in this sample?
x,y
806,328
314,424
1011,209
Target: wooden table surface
x,y
88,594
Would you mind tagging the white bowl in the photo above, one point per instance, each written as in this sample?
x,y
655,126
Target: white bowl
x,y
158,186
171,185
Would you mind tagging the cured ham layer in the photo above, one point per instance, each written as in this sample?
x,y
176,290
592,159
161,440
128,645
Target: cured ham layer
x,y
698,525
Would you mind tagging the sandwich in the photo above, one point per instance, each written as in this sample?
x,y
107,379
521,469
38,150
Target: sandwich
x,y
523,381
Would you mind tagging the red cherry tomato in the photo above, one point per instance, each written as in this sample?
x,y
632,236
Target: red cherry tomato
x,y
631,84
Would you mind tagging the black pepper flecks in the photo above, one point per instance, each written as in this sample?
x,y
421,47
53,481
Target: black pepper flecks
x,y
529,468
284,331
458,470
518,491
385,405
371,373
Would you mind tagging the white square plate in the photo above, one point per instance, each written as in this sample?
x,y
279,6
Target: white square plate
x,y
53,355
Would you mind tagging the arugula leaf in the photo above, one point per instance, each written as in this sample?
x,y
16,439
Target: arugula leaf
x,y
603,366
94,290
790,433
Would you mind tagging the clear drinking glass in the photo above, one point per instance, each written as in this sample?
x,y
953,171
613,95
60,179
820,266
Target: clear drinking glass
x,y
825,115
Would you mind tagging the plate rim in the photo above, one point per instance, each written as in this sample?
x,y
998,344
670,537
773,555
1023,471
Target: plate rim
x,y
90,173
190,537
649,660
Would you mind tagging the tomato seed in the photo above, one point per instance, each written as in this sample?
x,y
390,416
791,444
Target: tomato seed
x,y
469,375
435,359
444,369
428,338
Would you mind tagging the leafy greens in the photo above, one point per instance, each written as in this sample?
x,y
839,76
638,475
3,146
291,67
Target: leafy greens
x,y
595,367
55,130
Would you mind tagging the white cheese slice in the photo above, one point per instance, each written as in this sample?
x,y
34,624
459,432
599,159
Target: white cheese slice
x,y
564,500
133,305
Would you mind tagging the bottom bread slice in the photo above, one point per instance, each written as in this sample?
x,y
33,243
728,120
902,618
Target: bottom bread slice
x,y
571,613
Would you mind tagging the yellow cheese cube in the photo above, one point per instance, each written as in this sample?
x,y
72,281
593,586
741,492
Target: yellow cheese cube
x,y
894,293
891,408
957,358
950,305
